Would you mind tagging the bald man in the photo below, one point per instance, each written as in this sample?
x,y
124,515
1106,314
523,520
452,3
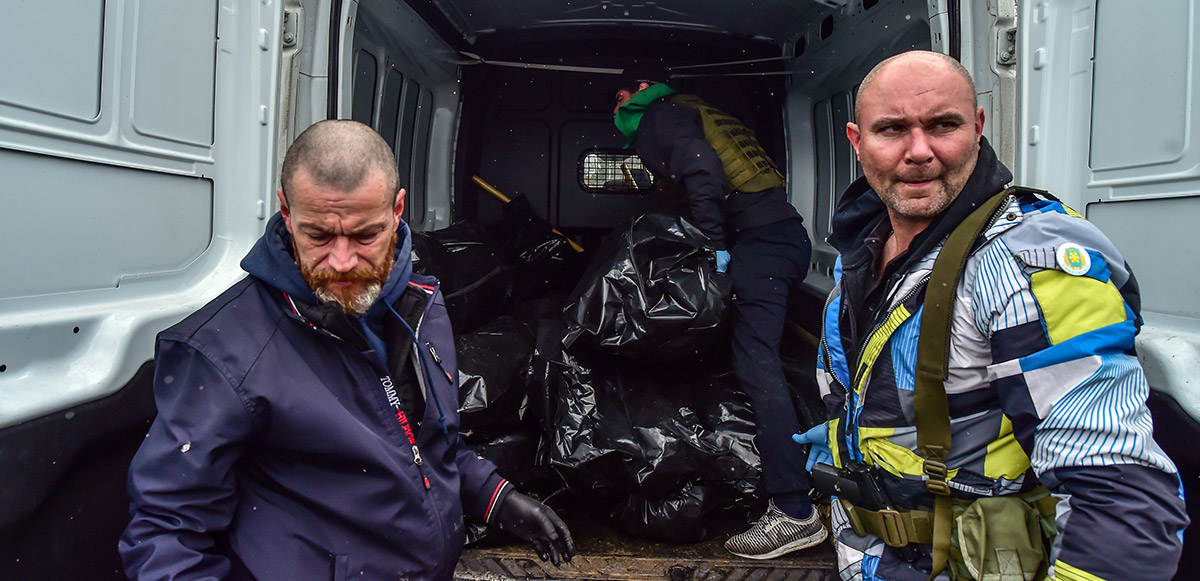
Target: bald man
x,y
1048,425
307,418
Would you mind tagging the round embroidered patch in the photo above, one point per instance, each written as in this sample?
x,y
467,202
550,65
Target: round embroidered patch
x,y
1073,259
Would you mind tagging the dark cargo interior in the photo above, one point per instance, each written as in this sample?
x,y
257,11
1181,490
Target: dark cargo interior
x,y
524,130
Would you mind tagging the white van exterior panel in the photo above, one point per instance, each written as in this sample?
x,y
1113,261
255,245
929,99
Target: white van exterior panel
x,y
1166,242
1137,108
1106,124
133,185
62,78
174,70
105,221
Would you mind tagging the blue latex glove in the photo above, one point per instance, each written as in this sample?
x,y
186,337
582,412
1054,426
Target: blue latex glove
x,y
722,261
818,436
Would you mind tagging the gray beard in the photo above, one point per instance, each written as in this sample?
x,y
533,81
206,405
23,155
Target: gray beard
x,y
359,304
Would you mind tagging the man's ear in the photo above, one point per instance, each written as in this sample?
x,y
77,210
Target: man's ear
x,y
399,209
978,124
854,135
643,86
284,210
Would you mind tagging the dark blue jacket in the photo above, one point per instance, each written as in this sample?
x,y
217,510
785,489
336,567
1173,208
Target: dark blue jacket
x,y
279,451
670,140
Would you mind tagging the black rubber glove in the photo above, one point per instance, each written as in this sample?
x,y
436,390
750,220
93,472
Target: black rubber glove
x,y
535,522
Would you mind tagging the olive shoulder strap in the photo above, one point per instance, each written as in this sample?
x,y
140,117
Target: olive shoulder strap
x,y
931,407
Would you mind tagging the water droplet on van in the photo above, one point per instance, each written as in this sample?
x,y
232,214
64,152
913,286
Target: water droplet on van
x,y
69,415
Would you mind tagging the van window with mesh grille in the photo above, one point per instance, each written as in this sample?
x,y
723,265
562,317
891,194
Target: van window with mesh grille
x,y
613,171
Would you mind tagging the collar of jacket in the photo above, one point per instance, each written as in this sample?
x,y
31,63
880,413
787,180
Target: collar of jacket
x,y
409,307
272,262
629,116
860,210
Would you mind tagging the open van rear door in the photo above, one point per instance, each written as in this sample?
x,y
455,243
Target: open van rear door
x,y
1106,123
136,151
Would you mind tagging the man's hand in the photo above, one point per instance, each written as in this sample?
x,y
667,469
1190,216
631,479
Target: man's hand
x,y
818,436
722,261
536,523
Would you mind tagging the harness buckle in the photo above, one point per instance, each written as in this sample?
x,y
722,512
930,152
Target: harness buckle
x,y
937,472
892,528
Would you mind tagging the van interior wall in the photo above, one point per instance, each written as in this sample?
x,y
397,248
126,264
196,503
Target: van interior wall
x,y
826,72
524,130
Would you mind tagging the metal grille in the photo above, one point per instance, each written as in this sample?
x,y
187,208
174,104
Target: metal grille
x,y
613,171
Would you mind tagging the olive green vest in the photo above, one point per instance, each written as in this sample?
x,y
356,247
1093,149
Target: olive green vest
x,y
747,167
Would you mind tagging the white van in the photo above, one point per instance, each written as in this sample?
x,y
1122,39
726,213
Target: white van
x,y
140,142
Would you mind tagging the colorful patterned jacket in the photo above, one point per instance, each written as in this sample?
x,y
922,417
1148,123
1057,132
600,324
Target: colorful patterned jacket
x,y
1043,387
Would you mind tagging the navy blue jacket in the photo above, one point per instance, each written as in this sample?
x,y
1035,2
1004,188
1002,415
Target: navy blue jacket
x,y
279,451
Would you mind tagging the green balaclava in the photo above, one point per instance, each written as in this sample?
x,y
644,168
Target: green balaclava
x,y
629,115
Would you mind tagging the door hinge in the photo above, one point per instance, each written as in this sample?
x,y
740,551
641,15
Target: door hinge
x,y
291,23
1006,46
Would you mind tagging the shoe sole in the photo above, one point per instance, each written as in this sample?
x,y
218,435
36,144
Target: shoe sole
x,y
805,543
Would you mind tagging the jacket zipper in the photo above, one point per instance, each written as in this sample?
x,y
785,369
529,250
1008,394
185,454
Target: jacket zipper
x,y
861,396
401,416
438,360
859,381
416,331
420,466
420,381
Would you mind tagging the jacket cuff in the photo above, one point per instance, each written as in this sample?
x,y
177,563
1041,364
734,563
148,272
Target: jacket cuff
x,y
489,503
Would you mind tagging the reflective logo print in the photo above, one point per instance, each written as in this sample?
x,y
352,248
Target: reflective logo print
x,y
1073,259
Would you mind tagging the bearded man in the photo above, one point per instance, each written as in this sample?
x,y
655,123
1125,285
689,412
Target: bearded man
x,y
307,423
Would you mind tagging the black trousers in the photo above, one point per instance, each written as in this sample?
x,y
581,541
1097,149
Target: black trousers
x,y
767,262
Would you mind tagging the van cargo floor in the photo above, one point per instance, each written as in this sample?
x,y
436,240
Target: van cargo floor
x,y
603,553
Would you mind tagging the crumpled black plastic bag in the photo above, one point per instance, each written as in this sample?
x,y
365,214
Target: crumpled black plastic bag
x,y
543,318
540,261
614,427
513,454
651,292
492,363
681,517
656,451
473,280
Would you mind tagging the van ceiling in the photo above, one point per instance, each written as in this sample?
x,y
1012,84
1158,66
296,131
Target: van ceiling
x,y
772,21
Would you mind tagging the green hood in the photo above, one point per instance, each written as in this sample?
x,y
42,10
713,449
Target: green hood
x,y
629,115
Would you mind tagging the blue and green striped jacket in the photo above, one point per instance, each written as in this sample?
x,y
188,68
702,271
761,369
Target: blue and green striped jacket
x,y
1043,386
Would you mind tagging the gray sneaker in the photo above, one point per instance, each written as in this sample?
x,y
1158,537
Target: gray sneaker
x,y
777,534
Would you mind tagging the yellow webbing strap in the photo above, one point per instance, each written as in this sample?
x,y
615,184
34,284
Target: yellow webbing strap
x,y
930,404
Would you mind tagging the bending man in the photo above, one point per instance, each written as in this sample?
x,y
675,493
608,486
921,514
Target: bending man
x,y
736,197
